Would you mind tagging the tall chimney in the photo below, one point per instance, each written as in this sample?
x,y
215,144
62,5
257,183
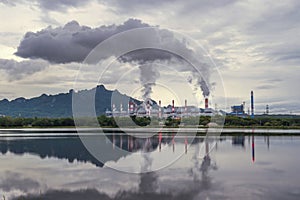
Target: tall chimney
x,y
159,109
130,107
173,107
252,105
148,107
206,103
185,106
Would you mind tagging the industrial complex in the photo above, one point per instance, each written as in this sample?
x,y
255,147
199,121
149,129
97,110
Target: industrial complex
x,y
151,109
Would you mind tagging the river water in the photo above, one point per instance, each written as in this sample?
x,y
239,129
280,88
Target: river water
x,y
227,167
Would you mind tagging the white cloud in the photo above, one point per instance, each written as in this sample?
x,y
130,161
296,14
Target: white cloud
x,y
19,70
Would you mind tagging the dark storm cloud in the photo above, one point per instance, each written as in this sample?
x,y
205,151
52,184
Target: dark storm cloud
x,y
18,70
71,43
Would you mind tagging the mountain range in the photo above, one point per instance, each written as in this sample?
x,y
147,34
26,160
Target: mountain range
x,y
60,105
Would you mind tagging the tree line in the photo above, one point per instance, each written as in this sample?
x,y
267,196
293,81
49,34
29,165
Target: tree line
x,y
104,121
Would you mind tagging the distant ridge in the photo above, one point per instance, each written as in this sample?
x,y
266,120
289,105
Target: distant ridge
x,y
60,105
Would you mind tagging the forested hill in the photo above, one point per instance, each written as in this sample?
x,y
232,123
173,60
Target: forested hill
x,y
59,105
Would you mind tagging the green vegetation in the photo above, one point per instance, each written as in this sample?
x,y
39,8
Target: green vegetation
x,y
8,122
263,121
230,121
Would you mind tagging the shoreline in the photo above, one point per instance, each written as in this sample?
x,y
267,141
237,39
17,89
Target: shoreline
x,y
142,131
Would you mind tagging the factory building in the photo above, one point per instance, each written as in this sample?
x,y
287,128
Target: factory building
x,y
153,110
238,110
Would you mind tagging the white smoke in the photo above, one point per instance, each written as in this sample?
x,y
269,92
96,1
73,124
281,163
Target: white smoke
x,y
168,50
148,76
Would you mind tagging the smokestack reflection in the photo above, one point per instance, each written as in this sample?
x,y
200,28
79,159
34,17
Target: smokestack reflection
x,y
185,144
253,147
114,142
200,170
173,142
128,146
131,144
159,140
121,142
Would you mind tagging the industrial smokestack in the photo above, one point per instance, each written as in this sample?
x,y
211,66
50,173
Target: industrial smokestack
x,y
206,103
173,106
131,107
148,107
159,109
252,105
185,106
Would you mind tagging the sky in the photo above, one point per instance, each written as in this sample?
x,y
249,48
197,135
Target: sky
x,y
253,45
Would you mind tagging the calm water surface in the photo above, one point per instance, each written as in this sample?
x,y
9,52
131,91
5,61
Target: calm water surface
x,y
235,167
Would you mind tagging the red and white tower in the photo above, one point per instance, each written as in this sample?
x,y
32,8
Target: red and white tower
x,y
206,103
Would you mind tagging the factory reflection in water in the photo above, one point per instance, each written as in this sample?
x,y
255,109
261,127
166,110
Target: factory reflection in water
x,y
72,149
198,174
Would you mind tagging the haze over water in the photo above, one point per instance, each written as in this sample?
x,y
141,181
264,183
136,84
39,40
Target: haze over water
x,y
238,167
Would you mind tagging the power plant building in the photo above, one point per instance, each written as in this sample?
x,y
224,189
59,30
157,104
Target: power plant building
x,y
144,110
237,110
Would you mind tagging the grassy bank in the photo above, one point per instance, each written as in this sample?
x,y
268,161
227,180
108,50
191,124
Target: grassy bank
x,y
262,122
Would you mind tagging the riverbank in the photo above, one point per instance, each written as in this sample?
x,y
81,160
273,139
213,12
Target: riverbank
x,y
142,131
262,122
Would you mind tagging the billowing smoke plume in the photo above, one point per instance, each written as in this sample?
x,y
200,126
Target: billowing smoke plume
x,y
72,43
204,86
148,77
